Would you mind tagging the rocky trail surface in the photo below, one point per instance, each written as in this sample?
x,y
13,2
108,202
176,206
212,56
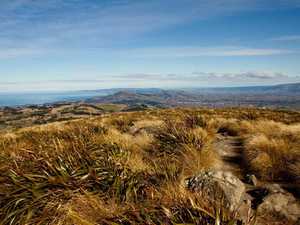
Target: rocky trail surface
x,y
230,150
265,200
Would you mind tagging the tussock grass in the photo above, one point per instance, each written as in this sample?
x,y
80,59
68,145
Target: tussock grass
x,y
128,168
272,150
230,127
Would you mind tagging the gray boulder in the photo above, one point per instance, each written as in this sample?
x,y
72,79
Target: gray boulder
x,y
222,189
278,205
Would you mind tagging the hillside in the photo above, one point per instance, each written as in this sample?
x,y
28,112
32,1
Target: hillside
x,y
158,166
26,116
287,89
160,98
286,97
277,96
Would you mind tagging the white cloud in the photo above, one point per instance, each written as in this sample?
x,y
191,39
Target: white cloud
x,y
153,52
7,53
198,76
171,52
97,24
262,75
287,38
195,79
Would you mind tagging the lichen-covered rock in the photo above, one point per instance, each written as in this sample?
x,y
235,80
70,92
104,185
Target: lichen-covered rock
x,y
223,189
279,205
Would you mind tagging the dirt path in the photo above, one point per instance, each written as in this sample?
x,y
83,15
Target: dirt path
x,y
230,149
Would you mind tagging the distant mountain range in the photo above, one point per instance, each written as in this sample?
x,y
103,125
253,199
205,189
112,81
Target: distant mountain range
x,y
159,97
293,88
84,104
284,95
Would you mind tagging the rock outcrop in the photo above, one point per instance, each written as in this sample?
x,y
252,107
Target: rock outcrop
x,y
272,204
223,189
278,205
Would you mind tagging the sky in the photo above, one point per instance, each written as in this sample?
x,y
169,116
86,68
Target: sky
x,y
96,44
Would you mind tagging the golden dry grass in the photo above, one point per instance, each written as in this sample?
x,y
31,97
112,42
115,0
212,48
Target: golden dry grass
x,y
272,150
128,168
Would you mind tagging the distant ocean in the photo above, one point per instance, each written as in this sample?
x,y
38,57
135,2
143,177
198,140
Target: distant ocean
x,y
38,98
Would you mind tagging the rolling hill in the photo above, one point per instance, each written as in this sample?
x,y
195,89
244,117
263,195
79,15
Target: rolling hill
x,y
284,95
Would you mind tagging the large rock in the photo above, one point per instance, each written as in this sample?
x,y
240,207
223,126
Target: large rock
x,y
278,205
222,189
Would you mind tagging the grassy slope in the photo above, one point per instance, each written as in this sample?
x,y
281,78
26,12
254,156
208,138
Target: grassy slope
x,y
129,168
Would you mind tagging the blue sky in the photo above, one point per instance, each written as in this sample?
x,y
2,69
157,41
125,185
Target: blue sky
x,y
94,44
